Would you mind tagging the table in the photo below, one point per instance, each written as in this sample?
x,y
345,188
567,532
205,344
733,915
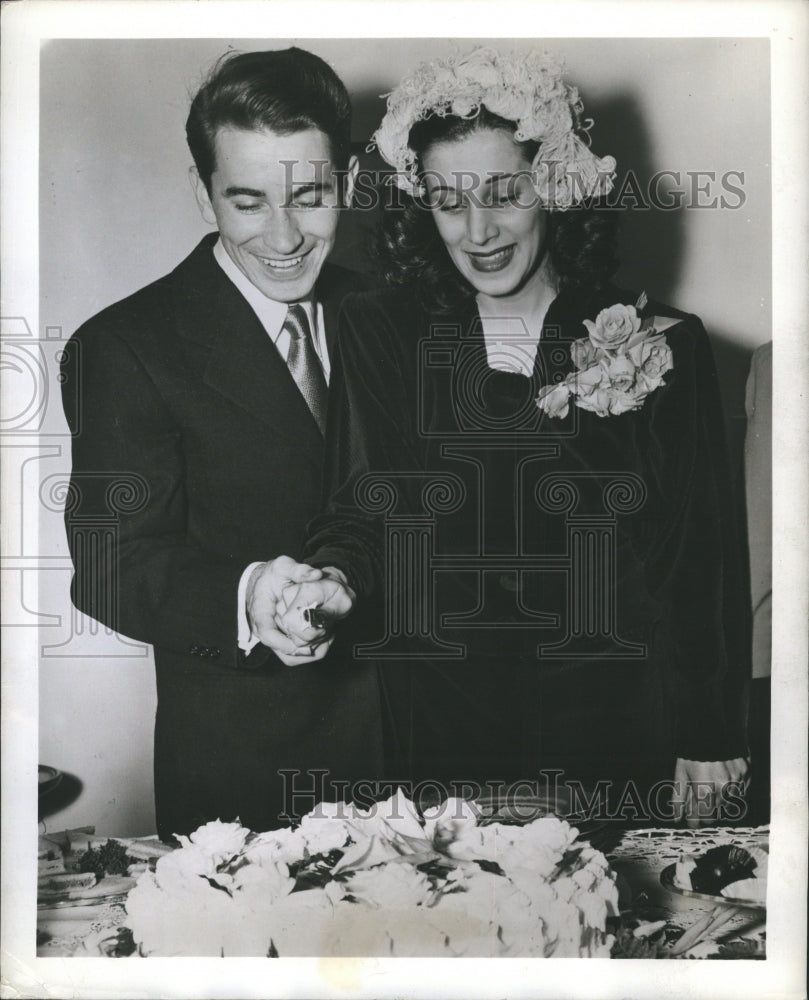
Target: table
x,y
641,855
637,856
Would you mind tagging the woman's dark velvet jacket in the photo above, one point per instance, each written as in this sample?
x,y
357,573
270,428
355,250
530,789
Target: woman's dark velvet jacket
x,y
412,394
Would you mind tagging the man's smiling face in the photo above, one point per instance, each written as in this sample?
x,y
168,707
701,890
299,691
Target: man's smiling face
x,y
276,201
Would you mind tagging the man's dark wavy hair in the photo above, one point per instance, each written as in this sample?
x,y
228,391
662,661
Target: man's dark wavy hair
x,y
582,239
285,90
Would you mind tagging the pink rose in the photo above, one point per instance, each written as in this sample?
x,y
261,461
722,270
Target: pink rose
x,y
584,354
554,400
613,326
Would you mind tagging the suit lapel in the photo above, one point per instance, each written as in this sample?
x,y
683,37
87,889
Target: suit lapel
x,y
240,361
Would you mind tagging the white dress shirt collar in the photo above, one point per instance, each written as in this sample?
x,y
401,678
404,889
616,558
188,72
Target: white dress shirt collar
x,y
271,314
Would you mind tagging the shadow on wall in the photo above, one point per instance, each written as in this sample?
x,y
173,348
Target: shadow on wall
x,y
652,240
64,794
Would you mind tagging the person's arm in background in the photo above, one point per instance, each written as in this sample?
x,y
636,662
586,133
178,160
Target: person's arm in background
x,y
758,481
696,569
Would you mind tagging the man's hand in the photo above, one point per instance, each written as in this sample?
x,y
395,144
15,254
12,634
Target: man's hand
x,y
292,608
700,788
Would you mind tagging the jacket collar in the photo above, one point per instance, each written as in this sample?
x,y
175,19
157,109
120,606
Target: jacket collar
x,y
242,362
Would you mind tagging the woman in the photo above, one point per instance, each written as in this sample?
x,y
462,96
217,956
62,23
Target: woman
x,y
587,612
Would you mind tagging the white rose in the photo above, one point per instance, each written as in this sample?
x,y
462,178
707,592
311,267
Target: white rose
x,y
322,835
285,845
656,357
620,372
263,882
184,866
584,354
539,846
390,886
219,840
613,326
597,402
625,402
554,400
585,383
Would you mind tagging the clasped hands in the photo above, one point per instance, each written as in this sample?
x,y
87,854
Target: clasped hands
x,y
702,789
292,608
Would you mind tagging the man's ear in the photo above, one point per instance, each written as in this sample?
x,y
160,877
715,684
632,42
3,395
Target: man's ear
x,y
350,181
202,196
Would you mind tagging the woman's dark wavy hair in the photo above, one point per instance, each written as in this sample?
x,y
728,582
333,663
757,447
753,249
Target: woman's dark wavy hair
x,y
582,239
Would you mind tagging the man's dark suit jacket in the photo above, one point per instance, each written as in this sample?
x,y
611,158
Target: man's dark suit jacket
x,y
194,454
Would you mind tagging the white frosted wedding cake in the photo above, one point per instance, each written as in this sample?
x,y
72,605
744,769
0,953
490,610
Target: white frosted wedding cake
x,y
379,882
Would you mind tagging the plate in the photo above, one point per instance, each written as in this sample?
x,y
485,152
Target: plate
x,y
49,778
118,890
667,881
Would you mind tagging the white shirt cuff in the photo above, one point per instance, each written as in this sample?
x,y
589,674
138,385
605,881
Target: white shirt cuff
x,y
247,641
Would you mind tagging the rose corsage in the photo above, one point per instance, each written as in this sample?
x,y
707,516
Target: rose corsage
x,y
621,361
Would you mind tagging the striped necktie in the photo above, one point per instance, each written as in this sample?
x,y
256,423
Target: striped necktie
x,y
304,364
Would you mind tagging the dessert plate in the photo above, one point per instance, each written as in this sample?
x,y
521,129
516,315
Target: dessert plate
x,y
667,881
117,887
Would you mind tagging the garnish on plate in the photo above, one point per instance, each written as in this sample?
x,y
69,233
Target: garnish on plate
x,y
110,858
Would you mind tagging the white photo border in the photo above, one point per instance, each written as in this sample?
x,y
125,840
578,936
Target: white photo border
x,y
25,25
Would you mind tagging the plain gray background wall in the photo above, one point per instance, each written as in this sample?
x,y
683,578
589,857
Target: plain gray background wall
x,y
117,212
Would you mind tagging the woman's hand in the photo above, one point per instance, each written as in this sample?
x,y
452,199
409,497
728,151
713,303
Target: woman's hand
x,y
701,788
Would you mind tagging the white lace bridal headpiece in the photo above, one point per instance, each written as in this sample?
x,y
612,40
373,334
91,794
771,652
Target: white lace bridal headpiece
x,y
527,89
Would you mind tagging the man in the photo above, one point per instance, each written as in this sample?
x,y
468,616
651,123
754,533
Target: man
x,y
205,394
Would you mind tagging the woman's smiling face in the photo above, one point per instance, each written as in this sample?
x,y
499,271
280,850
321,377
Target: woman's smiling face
x,y
486,210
